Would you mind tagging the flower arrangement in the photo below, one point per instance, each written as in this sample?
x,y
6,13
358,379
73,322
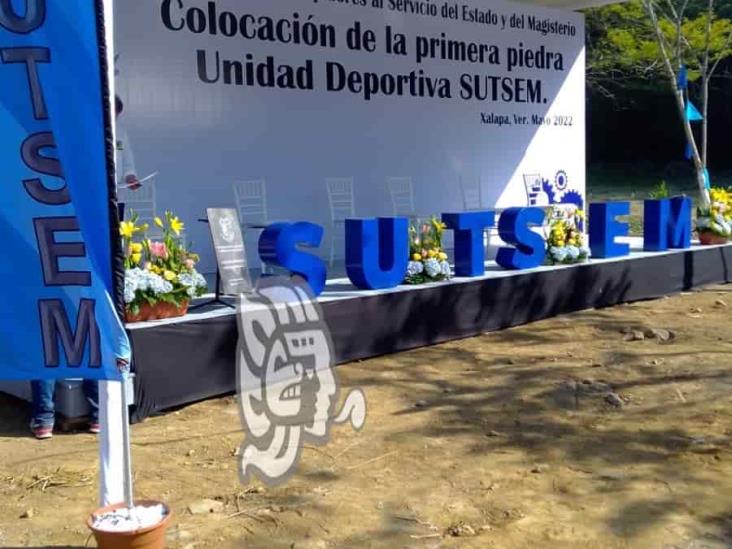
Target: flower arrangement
x,y
158,272
428,261
714,224
565,242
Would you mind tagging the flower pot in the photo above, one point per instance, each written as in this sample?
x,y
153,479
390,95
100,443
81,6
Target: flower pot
x,y
152,537
158,311
708,238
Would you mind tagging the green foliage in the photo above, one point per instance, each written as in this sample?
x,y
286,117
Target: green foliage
x,y
622,47
659,191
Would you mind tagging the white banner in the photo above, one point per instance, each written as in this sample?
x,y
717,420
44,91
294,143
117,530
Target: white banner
x,y
447,94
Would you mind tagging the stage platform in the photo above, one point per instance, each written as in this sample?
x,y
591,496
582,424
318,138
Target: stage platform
x,y
180,361
184,360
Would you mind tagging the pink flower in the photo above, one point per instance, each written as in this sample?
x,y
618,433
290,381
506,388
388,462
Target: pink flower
x,y
158,249
190,264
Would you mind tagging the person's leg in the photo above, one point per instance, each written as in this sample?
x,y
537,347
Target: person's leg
x,y
91,392
42,407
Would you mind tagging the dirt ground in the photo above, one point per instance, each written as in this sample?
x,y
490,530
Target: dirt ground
x,y
567,433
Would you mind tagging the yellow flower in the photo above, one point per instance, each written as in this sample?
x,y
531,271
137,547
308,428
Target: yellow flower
x,y
416,257
169,276
719,195
443,256
136,258
135,248
177,225
438,225
127,229
158,222
431,253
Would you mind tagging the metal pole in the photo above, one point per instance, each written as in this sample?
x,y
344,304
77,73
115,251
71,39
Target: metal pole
x,y
129,492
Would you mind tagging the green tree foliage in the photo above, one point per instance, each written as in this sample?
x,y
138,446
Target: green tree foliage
x,y
646,42
623,49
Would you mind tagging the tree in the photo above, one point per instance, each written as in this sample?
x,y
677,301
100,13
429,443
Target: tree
x,y
700,43
648,42
621,51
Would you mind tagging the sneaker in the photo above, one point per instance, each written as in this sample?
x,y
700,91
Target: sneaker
x,y
42,432
94,428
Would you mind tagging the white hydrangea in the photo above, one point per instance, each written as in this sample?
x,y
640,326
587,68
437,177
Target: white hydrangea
x,y
193,282
445,269
558,253
129,293
432,267
573,252
414,268
141,280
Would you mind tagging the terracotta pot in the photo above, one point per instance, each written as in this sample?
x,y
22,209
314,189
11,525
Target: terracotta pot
x,y
158,311
152,537
709,238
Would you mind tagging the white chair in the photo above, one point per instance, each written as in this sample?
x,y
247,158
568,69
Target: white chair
x,y
142,202
472,192
251,202
535,195
341,201
401,190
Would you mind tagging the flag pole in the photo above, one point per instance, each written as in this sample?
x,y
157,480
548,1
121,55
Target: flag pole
x,y
111,456
114,445
127,447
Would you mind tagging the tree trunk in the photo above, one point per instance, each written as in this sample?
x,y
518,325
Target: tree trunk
x,y
680,103
705,110
695,156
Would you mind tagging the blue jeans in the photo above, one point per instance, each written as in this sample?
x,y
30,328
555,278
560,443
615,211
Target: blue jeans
x,y
42,406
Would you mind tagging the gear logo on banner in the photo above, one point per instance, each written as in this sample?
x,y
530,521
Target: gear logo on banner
x,y
560,192
286,380
561,180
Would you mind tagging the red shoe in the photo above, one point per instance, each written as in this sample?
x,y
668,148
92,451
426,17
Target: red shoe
x,y
94,428
42,432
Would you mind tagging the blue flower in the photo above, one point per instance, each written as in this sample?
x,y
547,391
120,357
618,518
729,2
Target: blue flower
x,y
432,267
129,294
558,254
139,280
445,269
193,282
414,268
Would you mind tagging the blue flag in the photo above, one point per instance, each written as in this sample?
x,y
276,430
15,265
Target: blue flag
x,y
688,153
692,114
682,80
58,281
